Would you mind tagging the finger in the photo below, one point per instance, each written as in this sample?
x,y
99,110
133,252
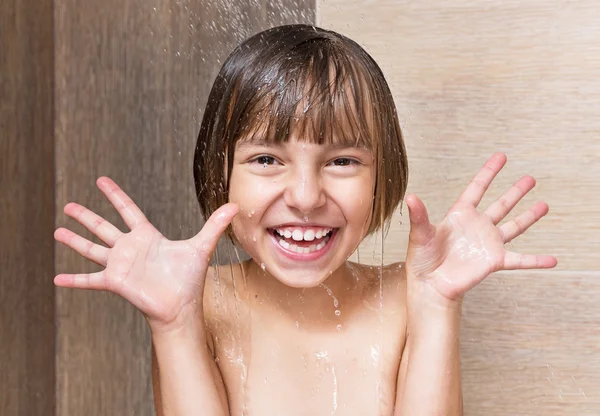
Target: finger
x,y
103,229
206,240
94,252
93,281
481,181
514,261
129,211
421,230
503,205
519,225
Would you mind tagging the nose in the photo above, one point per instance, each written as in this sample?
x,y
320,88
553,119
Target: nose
x,y
304,191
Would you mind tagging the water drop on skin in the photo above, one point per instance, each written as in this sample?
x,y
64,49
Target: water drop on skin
x,y
337,313
263,266
339,327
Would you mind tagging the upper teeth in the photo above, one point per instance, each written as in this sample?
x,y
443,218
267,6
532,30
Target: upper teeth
x,y
307,235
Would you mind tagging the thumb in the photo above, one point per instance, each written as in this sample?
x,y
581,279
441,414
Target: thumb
x,y
206,240
421,230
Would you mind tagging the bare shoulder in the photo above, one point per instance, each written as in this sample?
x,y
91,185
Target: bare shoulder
x,y
385,284
224,285
224,294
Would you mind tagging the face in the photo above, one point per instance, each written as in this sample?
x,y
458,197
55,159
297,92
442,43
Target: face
x,y
304,208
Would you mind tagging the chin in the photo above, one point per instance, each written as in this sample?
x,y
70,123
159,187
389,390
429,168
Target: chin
x,y
301,279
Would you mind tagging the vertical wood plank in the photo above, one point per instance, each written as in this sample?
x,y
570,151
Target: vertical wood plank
x,y
27,376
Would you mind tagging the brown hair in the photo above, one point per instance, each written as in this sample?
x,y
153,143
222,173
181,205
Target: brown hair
x,y
307,80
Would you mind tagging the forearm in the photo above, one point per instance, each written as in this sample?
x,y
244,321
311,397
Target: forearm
x,y
430,377
185,374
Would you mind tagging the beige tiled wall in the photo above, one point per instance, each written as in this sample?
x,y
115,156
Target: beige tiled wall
x,y
471,78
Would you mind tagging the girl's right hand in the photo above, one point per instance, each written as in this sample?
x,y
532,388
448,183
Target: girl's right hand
x,y
161,278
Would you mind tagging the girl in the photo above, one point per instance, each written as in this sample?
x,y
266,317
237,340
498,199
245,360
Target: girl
x,y
299,157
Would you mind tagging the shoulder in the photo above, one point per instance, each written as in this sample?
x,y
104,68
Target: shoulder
x,y
223,286
391,275
386,284
224,292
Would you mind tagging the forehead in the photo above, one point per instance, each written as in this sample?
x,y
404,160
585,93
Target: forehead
x,y
322,101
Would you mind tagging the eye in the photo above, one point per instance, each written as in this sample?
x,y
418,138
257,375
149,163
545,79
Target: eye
x,y
344,161
264,160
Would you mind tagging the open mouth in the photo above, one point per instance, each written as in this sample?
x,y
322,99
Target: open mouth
x,y
303,244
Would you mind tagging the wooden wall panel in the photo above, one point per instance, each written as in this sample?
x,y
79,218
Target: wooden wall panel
x,y
471,78
132,80
26,208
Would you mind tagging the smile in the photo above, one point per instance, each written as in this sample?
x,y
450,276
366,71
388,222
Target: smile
x,y
300,243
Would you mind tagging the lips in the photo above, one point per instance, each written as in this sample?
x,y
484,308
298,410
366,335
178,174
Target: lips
x,y
304,250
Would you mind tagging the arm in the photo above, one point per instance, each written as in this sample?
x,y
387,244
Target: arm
x,y
429,380
444,261
185,377
164,280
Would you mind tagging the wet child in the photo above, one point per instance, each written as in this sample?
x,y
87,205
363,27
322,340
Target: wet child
x,y
300,156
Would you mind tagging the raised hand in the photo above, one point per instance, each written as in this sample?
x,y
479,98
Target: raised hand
x,y
467,245
158,276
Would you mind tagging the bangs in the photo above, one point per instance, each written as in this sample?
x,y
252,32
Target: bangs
x,y
315,95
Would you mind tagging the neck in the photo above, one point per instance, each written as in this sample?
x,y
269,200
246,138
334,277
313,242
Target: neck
x,y
329,302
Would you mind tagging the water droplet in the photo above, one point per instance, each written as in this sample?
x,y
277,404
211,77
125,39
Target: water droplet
x,y
339,328
254,238
194,300
337,312
263,266
305,218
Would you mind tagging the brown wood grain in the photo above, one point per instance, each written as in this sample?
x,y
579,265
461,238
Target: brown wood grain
x,y
27,376
132,80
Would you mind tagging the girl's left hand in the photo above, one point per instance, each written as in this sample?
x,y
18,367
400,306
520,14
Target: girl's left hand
x,y
450,258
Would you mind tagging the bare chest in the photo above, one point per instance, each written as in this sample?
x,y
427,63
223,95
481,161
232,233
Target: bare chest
x,y
274,367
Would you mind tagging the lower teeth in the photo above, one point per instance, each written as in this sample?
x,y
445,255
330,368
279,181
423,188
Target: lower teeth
x,y
302,250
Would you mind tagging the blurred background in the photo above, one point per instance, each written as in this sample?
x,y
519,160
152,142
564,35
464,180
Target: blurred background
x,y
118,88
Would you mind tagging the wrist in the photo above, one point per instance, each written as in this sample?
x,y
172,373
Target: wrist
x,y
187,323
423,295
430,312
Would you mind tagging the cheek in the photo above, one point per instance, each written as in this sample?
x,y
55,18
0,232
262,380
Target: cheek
x,y
355,200
253,195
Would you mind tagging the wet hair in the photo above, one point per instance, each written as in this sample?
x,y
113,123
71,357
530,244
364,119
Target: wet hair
x,y
314,83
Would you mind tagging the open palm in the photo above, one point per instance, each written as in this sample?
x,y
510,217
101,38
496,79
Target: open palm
x,y
467,245
158,276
